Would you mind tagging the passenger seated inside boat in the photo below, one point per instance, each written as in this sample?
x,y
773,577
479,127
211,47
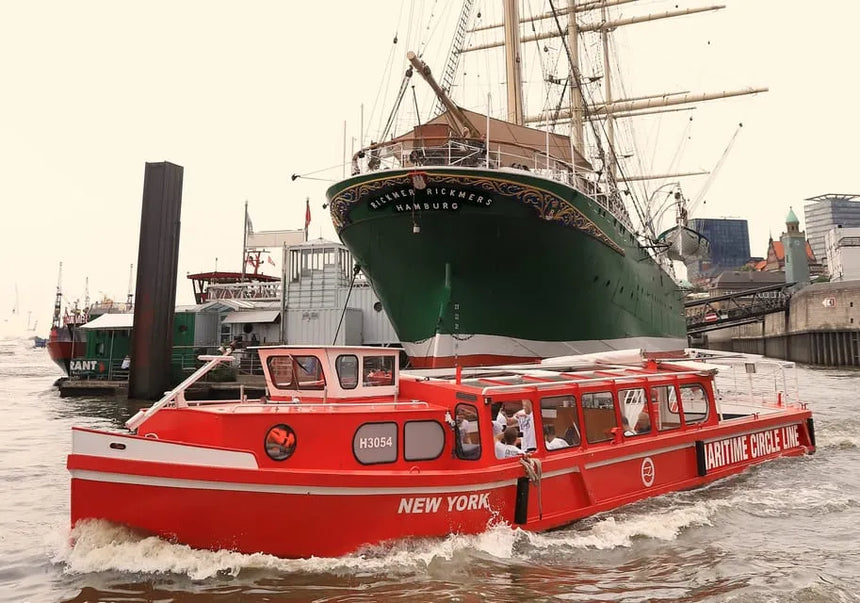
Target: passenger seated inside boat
x,y
571,435
506,444
552,441
468,437
643,423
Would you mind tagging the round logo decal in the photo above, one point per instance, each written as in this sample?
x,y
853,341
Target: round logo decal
x,y
647,471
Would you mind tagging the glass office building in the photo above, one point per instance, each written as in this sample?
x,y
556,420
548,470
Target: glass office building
x,y
730,245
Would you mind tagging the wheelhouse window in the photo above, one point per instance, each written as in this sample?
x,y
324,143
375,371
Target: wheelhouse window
x,y
346,366
296,372
664,403
694,403
635,415
423,440
281,371
598,411
375,443
560,423
467,431
377,370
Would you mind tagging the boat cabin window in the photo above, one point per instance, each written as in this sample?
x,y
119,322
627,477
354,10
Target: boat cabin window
x,y
664,407
296,372
598,412
468,435
378,370
694,403
346,366
560,423
635,411
423,440
517,413
281,370
375,443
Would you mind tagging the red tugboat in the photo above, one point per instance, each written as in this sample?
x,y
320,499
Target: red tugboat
x,y
344,440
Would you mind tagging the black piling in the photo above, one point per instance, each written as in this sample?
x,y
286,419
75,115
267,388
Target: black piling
x,y
157,258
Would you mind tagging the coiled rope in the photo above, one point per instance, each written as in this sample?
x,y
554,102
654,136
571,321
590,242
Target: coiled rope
x,y
534,471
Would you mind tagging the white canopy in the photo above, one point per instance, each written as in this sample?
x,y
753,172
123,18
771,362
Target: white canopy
x,y
265,316
110,321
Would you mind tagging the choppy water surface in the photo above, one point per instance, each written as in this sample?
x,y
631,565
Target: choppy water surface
x,y
785,531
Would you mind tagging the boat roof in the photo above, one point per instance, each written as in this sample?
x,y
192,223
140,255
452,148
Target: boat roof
x,y
511,378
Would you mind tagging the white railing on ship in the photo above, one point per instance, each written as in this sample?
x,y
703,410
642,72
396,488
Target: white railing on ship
x,y
177,393
466,152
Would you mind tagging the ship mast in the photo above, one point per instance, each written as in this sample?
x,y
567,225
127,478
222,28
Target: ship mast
x,y
58,300
577,104
513,63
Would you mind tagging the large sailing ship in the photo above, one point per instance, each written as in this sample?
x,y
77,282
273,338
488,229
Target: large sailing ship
x,y
488,240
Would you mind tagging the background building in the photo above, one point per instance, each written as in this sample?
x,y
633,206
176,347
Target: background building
x,y
825,212
795,248
730,246
842,246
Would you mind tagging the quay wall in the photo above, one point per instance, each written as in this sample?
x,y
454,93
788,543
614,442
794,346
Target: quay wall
x,y
820,326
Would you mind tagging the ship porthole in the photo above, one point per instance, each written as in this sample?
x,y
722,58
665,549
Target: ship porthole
x,y
280,442
377,306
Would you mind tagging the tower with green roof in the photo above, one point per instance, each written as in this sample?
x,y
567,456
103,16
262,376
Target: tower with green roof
x,y
794,245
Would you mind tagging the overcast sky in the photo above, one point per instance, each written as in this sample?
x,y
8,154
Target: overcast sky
x,y
243,95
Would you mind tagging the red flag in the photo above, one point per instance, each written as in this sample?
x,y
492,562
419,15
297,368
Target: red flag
x,y
307,212
271,261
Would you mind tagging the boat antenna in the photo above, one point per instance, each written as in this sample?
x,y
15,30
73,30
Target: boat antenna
x,y
355,271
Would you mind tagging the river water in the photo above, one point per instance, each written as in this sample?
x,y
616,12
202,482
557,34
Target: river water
x,y
785,531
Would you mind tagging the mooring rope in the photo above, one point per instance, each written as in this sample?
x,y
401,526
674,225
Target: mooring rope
x,y
534,471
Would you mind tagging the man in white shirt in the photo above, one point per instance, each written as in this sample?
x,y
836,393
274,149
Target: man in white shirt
x,y
505,447
526,421
552,441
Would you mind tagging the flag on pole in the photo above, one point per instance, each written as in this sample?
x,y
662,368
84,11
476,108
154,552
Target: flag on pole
x,y
307,216
249,227
271,261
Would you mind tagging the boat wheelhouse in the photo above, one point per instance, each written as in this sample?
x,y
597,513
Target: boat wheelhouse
x,y
344,439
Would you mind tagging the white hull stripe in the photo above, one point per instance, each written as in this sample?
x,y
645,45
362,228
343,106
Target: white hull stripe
x,y
638,455
190,484
499,345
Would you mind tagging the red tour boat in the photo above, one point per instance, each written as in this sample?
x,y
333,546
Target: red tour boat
x,y
346,451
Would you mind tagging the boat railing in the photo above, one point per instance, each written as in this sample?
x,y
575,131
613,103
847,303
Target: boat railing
x,y
249,290
247,403
758,380
177,394
526,386
470,152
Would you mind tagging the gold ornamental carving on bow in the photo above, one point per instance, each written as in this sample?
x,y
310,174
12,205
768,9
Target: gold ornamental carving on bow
x,y
548,206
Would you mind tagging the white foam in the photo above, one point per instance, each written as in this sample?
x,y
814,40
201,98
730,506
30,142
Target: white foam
x,y
101,546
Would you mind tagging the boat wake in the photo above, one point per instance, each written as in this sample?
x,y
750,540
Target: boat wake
x,y
99,546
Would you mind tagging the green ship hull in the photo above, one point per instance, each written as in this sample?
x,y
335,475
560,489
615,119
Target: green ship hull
x,y
475,266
